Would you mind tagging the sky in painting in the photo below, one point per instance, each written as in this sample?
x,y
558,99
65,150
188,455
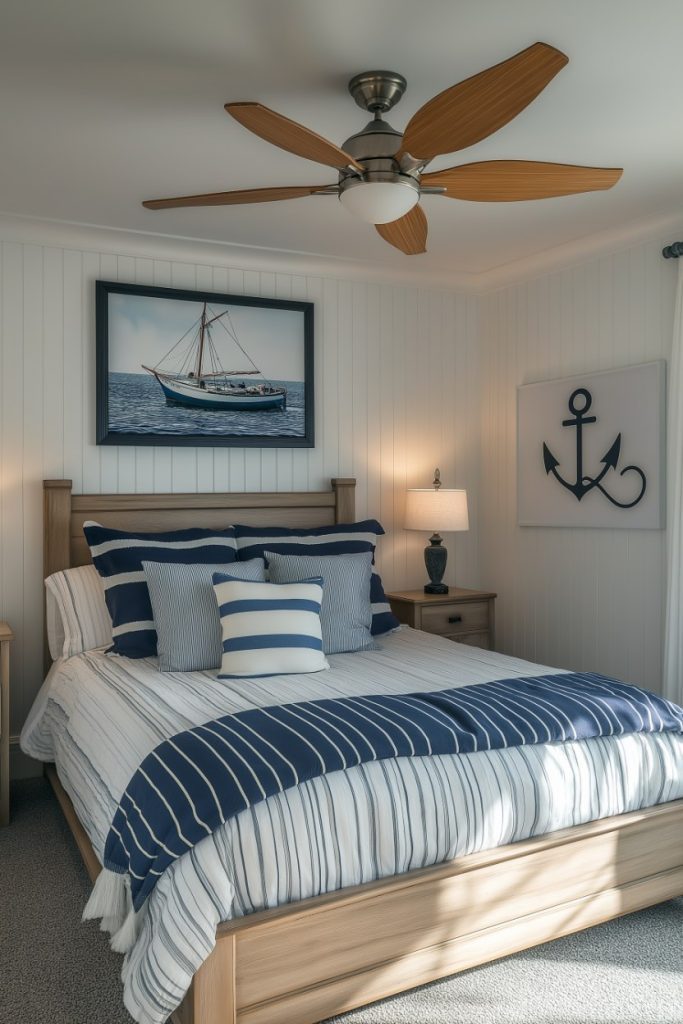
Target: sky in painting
x,y
143,329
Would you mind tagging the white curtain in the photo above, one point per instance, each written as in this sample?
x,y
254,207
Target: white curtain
x,y
673,642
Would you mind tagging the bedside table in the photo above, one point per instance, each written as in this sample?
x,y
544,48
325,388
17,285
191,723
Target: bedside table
x,y
6,638
467,616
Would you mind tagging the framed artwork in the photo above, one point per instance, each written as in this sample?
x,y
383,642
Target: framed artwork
x,y
591,449
179,367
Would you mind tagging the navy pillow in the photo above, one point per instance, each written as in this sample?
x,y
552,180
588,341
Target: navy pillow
x,y
340,539
383,619
118,557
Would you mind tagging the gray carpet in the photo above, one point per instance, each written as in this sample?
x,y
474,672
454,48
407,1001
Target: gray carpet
x,y
54,970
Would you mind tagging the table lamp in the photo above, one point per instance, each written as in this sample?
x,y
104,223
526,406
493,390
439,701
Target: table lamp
x,y
436,508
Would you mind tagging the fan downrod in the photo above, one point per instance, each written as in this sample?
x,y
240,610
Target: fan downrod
x,y
377,91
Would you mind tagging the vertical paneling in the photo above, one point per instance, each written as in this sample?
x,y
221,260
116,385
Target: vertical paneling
x,y
395,367
582,599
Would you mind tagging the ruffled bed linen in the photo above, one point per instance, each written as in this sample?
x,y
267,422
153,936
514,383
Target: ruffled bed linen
x,y
97,717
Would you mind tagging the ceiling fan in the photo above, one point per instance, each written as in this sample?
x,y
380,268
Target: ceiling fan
x,y
382,171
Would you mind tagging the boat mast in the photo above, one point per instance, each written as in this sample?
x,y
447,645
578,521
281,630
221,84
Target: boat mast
x,y
200,354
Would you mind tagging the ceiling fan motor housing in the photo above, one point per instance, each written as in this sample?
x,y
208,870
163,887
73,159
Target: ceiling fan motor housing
x,y
375,147
377,91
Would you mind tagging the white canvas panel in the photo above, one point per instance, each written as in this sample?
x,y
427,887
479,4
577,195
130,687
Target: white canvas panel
x,y
621,417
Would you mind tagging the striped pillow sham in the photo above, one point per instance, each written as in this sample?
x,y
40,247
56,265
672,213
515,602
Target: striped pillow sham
x,y
76,612
345,614
118,557
269,628
383,619
185,613
340,539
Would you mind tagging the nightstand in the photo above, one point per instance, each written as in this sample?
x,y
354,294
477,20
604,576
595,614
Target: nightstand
x,y
6,637
467,616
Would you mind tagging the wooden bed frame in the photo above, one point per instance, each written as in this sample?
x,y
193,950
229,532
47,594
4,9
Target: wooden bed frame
x,y
307,961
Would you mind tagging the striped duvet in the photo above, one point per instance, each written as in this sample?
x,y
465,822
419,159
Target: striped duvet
x,y
98,717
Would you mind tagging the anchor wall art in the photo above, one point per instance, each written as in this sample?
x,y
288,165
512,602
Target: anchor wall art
x,y
590,449
199,368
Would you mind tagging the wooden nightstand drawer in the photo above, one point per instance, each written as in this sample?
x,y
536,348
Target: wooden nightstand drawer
x,y
466,616
452,619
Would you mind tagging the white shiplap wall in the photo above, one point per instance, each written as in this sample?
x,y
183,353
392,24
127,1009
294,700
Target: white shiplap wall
x,y
396,394
583,599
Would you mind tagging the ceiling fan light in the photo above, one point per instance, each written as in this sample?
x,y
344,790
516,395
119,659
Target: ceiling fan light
x,y
379,202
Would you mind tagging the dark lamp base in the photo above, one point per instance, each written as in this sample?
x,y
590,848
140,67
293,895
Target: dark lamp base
x,y
435,561
435,588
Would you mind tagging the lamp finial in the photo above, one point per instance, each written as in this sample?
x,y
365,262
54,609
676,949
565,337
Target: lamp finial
x,y
437,479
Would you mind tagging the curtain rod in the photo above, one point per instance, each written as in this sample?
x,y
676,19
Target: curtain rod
x,y
673,251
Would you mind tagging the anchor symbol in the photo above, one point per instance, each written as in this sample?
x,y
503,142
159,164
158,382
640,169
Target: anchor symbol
x,y
583,483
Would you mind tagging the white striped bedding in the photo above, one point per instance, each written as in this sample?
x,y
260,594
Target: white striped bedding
x,y
99,716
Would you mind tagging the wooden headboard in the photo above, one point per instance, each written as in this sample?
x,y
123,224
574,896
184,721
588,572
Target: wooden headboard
x,y
64,545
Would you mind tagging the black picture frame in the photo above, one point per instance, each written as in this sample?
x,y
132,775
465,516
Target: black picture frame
x,y
106,436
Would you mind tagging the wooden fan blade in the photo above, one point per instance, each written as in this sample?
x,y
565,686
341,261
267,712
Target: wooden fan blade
x,y
289,135
408,233
470,111
511,181
247,195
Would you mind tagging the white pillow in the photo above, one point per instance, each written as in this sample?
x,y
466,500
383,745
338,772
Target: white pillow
x,y
76,612
269,628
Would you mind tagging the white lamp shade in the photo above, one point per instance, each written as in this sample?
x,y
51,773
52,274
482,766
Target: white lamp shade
x,y
428,509
379,202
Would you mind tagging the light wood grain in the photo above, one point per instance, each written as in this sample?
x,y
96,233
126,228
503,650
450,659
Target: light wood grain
x,y
467,616
92,864
304,962
513,181
408,233
237,198
471,110
287,134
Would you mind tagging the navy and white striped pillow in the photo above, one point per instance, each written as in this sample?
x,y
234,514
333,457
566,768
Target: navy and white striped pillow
x,y
269,628
118,557
340,539
346,614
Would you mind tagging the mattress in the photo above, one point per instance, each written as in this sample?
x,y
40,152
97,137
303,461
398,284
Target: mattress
x,y
98,716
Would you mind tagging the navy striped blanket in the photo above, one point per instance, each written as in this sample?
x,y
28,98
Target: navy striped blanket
x,y
192,783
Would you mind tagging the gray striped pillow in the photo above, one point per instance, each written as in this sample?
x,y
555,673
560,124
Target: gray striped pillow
x,y
188,626
346,613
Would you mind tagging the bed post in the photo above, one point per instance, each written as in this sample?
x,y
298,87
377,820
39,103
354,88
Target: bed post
x,y
56,525
345,503
211,996
56,536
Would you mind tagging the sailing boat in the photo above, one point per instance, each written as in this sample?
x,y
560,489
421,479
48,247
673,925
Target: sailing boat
x,y
201,382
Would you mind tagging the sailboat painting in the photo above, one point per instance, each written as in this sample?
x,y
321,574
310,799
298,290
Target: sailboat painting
x,y
177,367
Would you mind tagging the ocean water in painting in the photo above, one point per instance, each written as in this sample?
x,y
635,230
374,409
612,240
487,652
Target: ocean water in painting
x,y
137,406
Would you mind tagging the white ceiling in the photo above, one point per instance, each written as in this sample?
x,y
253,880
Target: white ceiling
x,y
103,104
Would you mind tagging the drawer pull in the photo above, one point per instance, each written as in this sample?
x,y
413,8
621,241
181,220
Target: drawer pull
x,y
455,618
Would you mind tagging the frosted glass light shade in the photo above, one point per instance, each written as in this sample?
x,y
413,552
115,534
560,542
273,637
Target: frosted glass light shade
x,y
379,202
428,509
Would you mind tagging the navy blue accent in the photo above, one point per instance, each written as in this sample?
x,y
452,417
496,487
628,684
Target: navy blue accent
x,y
237,761
284,604
262,641
130,602
382,621
286,541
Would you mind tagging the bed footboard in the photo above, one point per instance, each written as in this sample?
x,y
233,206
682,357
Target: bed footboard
x,y
305,962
